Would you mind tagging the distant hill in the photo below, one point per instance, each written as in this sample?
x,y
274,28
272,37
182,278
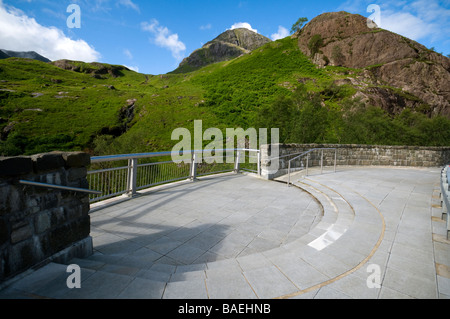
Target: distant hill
x,y
228,45
4,54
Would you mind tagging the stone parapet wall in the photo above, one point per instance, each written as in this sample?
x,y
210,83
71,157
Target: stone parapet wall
x,y
40,224
353,154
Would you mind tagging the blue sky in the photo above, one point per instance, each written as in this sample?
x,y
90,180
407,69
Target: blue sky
x,y
153,37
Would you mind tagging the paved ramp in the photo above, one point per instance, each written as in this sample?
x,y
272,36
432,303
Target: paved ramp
x,y
363,232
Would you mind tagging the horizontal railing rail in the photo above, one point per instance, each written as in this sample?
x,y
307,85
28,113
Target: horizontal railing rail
x,y
307,153
134,172
61,187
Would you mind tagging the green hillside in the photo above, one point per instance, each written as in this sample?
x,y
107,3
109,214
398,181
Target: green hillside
x,y
44,107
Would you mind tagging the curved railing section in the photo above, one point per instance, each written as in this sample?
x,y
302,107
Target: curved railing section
x,y
116,175
306,155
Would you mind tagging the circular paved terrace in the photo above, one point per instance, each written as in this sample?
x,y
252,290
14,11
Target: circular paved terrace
x,y
237,236
215,218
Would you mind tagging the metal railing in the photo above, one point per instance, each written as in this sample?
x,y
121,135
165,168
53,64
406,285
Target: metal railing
x,y
307,154
60,187
116,175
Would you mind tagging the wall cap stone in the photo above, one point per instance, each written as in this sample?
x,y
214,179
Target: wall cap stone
x,y
11,166
77,159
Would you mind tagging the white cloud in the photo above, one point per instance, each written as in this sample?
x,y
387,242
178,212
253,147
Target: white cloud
x,y
133,68
129,4
165,39
282,33
418,20
128,54
206,26
245,25
415,19
406,24
18,32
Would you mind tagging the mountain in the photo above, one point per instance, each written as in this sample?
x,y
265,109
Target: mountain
x,y
228,45
28,55
335,81
399,72
3,55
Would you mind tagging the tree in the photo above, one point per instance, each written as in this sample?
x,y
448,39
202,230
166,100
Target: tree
x,y
298,25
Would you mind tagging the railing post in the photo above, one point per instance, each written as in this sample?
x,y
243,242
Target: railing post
x,y
132,176
307,163
258,153
193,174
335,158
289,173
321,163
236,164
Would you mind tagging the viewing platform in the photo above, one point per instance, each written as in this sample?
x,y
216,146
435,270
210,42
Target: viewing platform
x,y
362,232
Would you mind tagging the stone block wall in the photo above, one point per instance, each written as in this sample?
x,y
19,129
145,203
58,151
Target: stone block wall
x,y
38,224
352,154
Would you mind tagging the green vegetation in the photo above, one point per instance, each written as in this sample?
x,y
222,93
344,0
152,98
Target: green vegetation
x,y
235,91
303,119
315,44
45,108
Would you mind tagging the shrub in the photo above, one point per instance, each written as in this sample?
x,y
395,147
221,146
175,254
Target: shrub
x,y
337,55
314,44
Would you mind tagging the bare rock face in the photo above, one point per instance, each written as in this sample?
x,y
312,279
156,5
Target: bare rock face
x,y
228,45
344,39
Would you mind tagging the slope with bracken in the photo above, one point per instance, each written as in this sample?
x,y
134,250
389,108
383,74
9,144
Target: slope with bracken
x,y
336,59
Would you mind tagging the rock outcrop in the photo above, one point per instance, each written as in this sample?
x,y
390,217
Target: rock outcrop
x,y
228,45
421,75
95,69
4,54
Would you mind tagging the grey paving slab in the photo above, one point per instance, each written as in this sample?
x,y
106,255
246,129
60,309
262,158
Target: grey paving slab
x,y
443,285
274,284
141,288
153,275
388,293
302,274
442,252
410,284
224,283
253,261
48,282
186,254
330,293
354,287
189,289
101,285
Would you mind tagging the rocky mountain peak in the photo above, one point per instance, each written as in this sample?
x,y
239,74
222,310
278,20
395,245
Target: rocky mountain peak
x,y
228,45
243,38
344,39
